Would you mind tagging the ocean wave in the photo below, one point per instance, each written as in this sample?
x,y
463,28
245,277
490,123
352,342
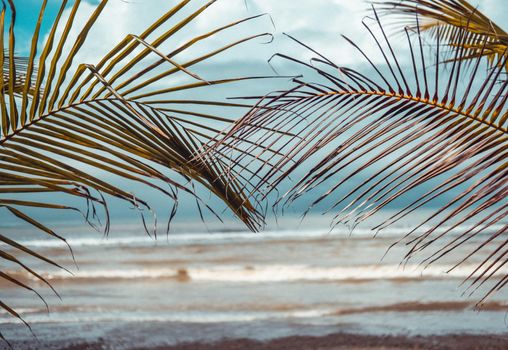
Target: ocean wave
x,y
183,239
270,312
272,273
172,316
234,237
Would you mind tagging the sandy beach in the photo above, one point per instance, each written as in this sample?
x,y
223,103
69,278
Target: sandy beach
x,y
357,342
341,341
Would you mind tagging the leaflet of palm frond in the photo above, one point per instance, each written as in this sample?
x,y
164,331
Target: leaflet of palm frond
x,y
402,132
21,67
454,19
118,116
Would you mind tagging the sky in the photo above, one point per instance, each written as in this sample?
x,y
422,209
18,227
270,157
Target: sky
x,y
319,22
316,22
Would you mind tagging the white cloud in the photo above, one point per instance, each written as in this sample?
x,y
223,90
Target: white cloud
x,y
317,22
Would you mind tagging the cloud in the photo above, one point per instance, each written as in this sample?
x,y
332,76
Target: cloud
x,y
316,22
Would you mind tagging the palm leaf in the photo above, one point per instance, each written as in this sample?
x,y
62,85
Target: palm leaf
x,y
118,116
400,136
456,22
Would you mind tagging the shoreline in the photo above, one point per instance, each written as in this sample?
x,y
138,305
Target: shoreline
x,y
348,341
338,341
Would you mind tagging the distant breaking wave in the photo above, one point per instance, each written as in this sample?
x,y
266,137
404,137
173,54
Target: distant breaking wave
x,y
142,239
273,273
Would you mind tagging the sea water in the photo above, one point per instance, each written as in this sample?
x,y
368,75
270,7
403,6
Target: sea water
x,y
198,285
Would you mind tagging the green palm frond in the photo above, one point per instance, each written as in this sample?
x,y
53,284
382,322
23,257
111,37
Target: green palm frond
x,y
402,135
124,115
456,22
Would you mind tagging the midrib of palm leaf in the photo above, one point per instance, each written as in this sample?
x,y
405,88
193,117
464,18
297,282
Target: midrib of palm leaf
x,y
450,108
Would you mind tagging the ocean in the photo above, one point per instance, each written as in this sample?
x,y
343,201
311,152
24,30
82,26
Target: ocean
x,y
198,285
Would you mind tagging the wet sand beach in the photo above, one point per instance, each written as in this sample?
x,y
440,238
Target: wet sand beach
x,y
341,341
357,342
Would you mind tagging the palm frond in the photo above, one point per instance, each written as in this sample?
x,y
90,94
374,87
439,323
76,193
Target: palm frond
x,y
456,22
403,136
122,116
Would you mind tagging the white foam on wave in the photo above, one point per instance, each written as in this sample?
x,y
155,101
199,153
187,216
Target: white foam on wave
x,y
183,239
173,316
142,240
276,273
